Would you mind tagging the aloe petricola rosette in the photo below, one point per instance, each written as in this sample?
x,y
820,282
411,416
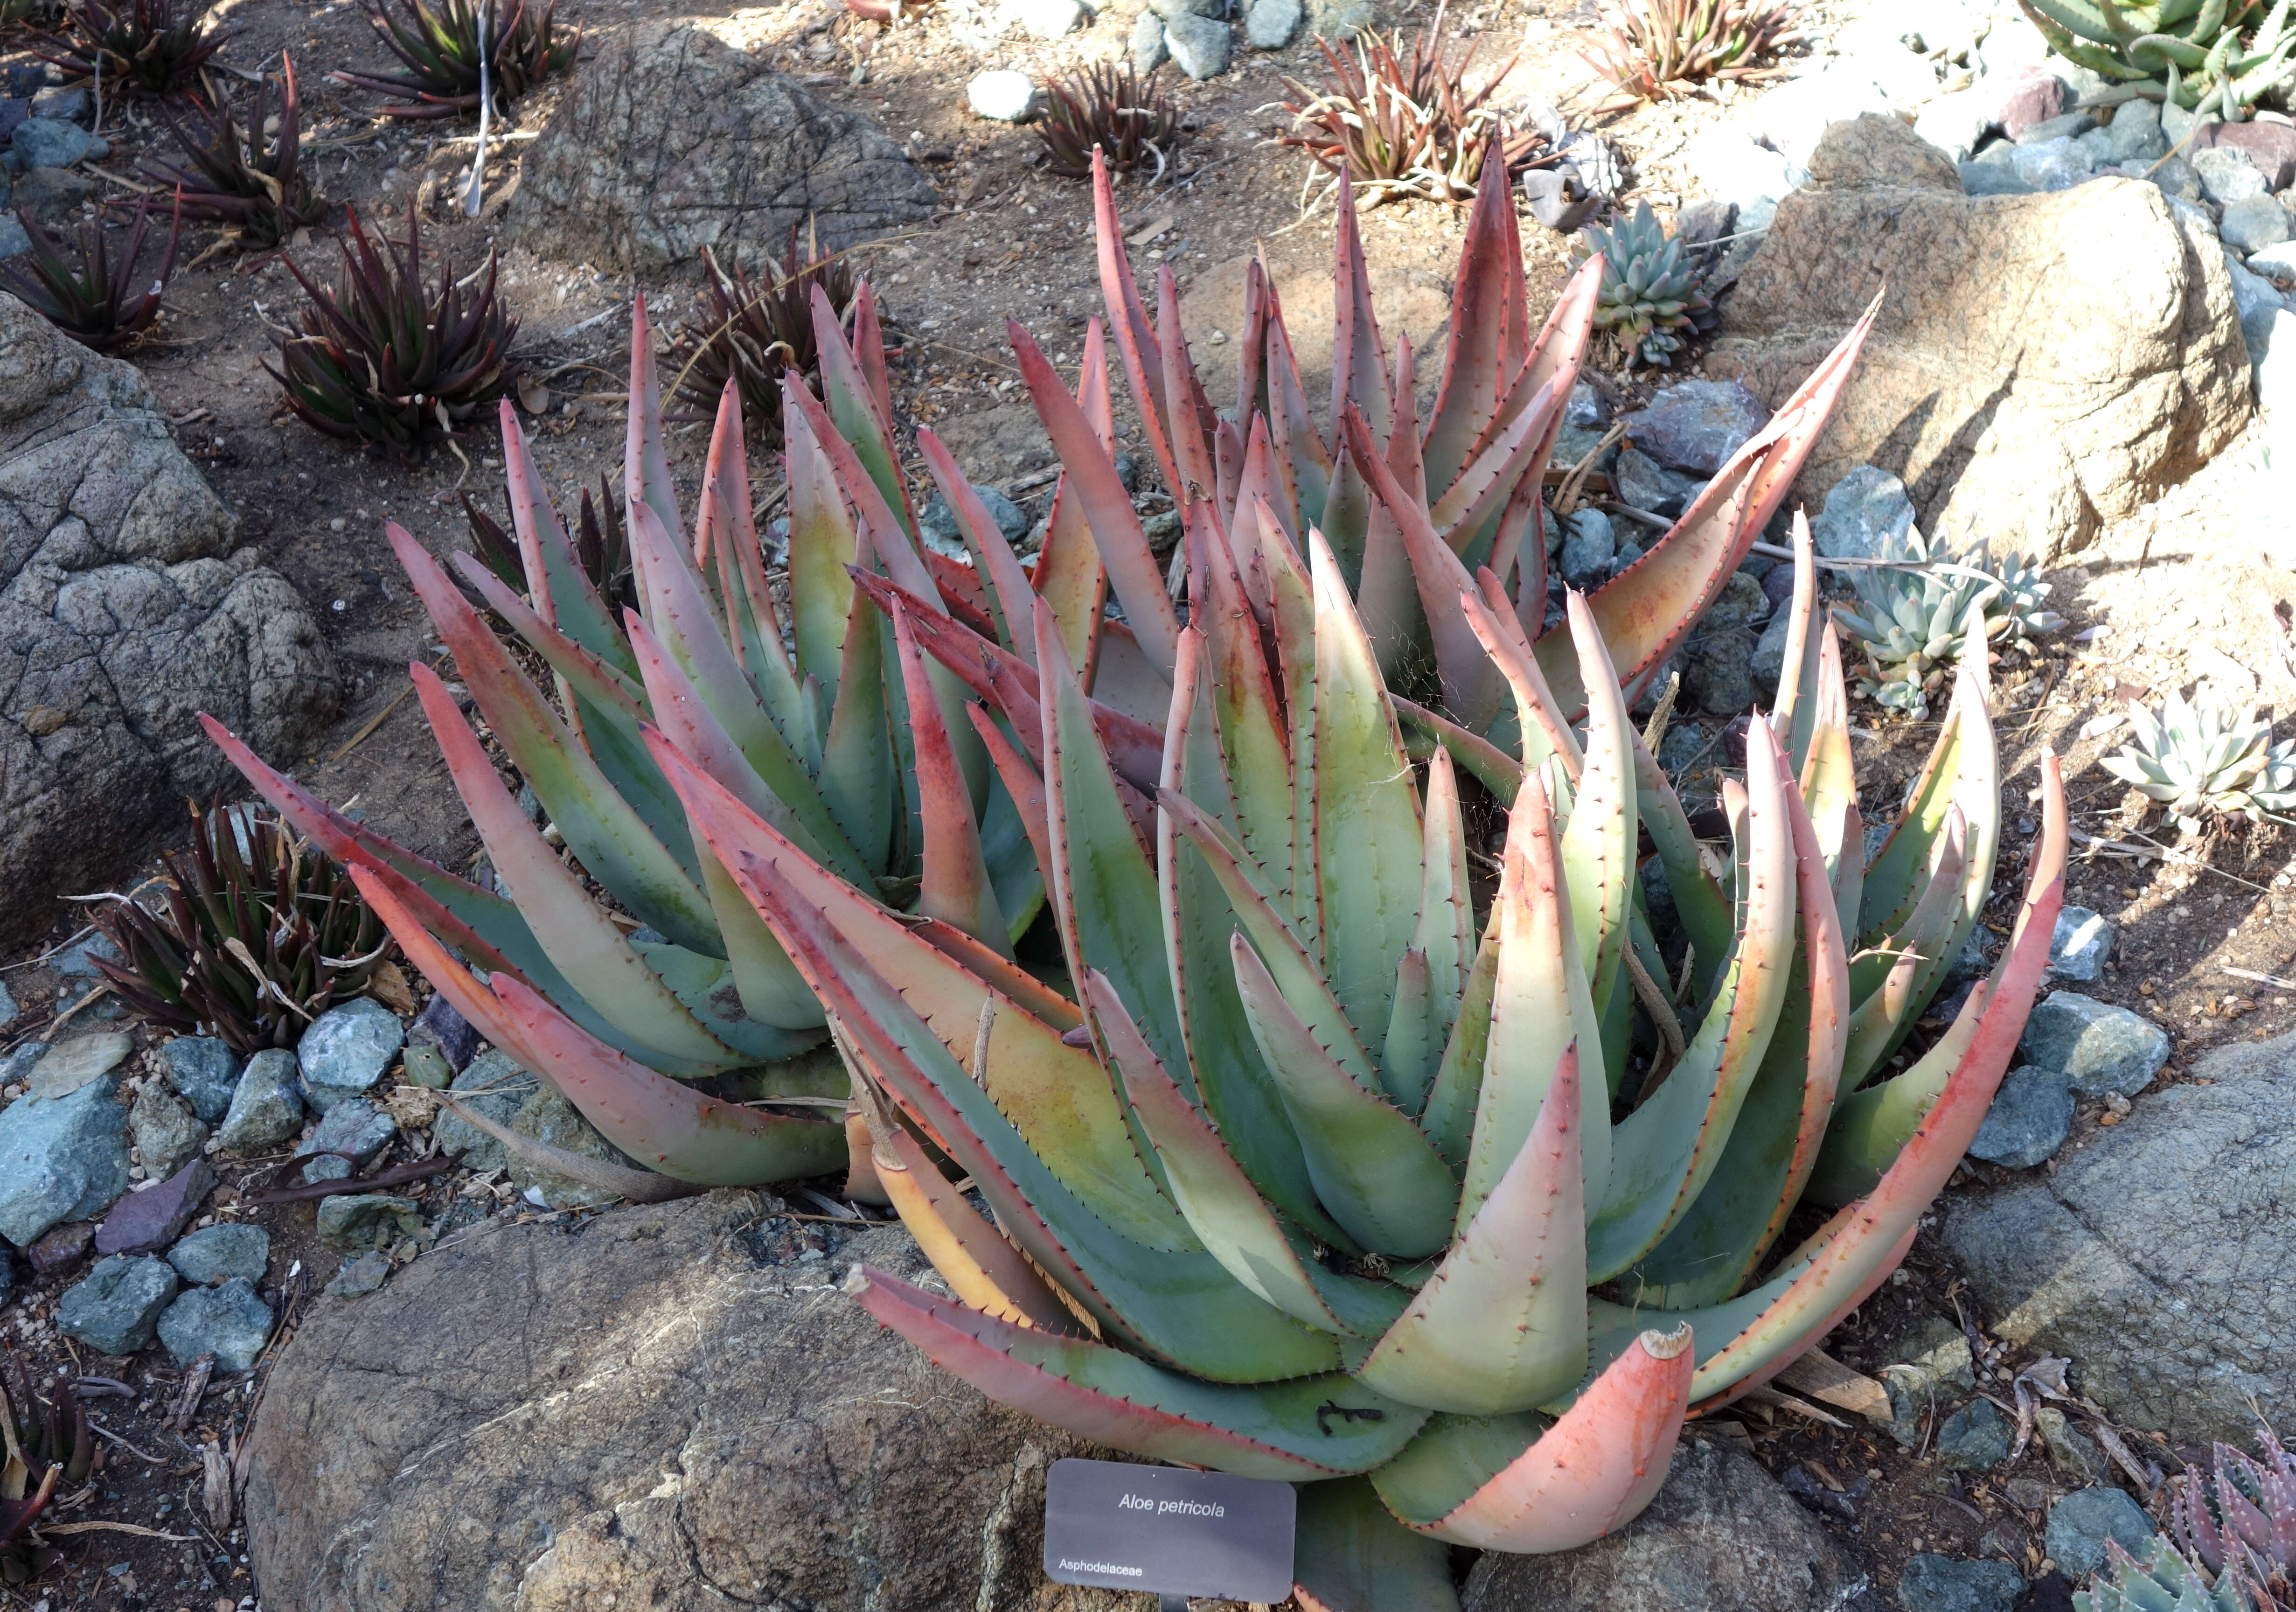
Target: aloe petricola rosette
x,y
817,723
1322,1175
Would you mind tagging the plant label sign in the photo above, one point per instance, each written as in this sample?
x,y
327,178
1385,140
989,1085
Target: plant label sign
x,y
1169,1531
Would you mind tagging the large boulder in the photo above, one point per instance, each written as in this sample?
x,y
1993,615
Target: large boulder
x,y
2162,1255
2042,364
651,1414
675,138
125,611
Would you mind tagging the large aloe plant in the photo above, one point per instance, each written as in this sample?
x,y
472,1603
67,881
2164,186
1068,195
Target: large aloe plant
x,y
1313,1178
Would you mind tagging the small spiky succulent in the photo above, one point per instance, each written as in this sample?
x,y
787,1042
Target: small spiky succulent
x,y
2230,1545
753,332
1108,107
84,290
1911,623
47,1444
249,178
1406,126
1653,298
1653,49
602,547
389,359
2208,757
441,47
2159,1580
135,47
256,933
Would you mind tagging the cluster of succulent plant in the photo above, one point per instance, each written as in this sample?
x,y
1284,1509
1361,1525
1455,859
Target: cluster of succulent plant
x,y
134,48
1397,125
2230,1545
250,935
2207,757
1654,49
99,298
443,46
1107,108
388,358
1309,1169
1914,612
1653,298
2202,55
753,332
251,178
47,1445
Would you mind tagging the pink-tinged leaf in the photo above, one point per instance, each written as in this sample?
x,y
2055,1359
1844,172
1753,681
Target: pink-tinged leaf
x,y
1385,596
1127,320
1252,734
562,593
1486,308
748,597
1008,595
1089,469
884,530
852,402
1359,373
1599,846
1068,574
1492,478
1264,485
1648,609
1538,719
956,889
1424,732
1593,1470
1118,1400
1022,782
645,465
663,1125
1552,362
824,546
1186,410
1291,428
581,673
1501,1326
869,347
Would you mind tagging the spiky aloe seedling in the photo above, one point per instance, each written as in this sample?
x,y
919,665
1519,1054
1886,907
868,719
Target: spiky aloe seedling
x,y
251,179
1109,110
1912,623
441,46
754,331
252,935
389,360
2222,57
81,288
1653,298
48,1447
138,47
2208,757
2230,1545
1653,49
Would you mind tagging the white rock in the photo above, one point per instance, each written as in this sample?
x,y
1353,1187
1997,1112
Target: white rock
x,y
1045,19
1003,95
1793,118
1730,166
2052,165
2276,371
2276,263
1955,123
2012,43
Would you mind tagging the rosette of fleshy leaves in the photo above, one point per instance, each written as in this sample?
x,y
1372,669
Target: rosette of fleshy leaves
x,y
2208,757
1653,298
1914,615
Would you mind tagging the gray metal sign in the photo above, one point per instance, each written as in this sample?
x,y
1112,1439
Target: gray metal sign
x,y
1169,1531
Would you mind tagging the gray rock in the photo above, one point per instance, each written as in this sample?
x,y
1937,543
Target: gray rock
x,y
1573,443
2065,126
1717,668
1645,484
674,137
1586,408
354,1222
2176,122
2070,1450
2259,304
231,1322
1588,546
204,1073
2175,177
63,1158
495,1087
2097,1047
2079,945
424,1064
1148,52
1865,509
1993,179
357,1278
1694,426
937,522
1721,1536
1188,8
347,1050
2081,1523
79,962
1045,19
548,1117
1974,1438
2057,164
1340,20
2031,1115
2134,134
48,143
217,1254
168,1134
265,1107
355,1132
1200,45
2254,223
115,1306
1271,24
1769,663
2226,175
2155,1257
326,1167
122,619
1939,1583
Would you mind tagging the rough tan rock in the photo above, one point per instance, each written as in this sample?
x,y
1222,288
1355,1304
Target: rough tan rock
x,y
644,1415
674,139
124,613
2042,364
